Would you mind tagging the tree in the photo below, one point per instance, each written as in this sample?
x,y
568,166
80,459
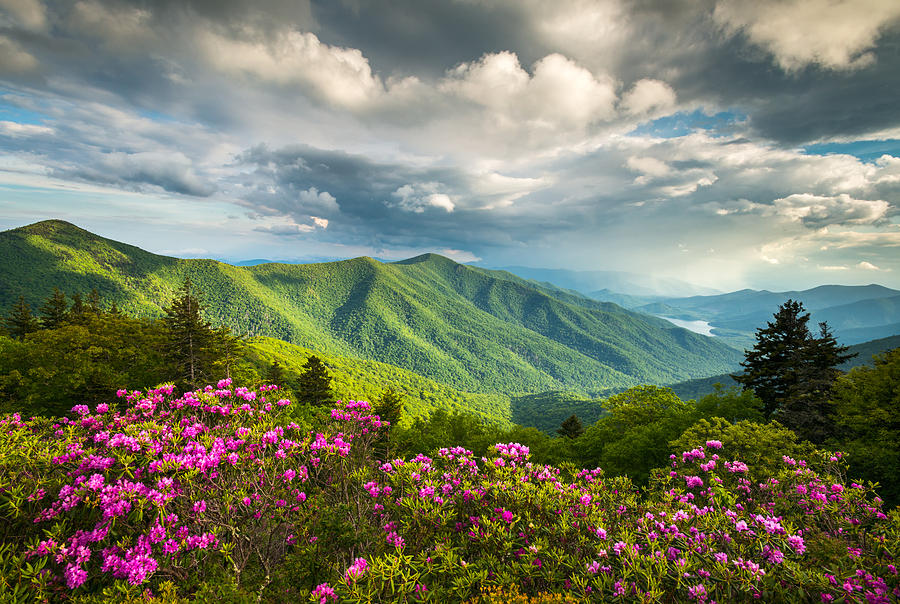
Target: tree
x,y
190,341
55,310
20,322
389,406
571,427
792,372
315,384
867,405
275,374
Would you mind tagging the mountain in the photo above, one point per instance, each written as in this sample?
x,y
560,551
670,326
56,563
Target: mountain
x,y
615,282
855,313
473,329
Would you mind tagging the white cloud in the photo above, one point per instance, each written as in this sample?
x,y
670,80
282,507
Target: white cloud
x,y
417,197
559,93
648,97
836,34
15,129
818,211
459,255
649,166
867,266
341,76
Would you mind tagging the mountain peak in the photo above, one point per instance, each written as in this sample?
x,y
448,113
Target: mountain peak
x,y
51,227
430,257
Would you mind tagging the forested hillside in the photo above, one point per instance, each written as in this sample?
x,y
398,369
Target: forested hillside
x,y
476,330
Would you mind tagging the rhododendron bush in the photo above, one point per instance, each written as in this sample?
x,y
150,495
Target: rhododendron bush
x,y
215,494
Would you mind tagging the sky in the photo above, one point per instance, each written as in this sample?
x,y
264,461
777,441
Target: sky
x,y
726,143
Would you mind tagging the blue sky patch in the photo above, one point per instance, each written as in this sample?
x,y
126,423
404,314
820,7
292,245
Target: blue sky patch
x,y
865,150
684,123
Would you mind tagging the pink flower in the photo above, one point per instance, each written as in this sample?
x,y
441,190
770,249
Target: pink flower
x,y
356,570
325,593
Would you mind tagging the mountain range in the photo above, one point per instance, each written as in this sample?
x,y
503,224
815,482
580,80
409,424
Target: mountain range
x,y
474,329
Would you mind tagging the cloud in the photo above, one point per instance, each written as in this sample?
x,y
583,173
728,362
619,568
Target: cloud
x,y
341,76
15,59
27,14
816,211
799,33
559,93
416,198
172,172
868,266
648,97
15,129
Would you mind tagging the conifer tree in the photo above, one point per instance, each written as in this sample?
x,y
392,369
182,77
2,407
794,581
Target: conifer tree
x,y
55,310
190,341
571,427
275,374
78,309
792,372
315,384
20,321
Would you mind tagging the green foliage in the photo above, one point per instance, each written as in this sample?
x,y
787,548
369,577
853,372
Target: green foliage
x,y
547,410
20,321
733,404
867,407
354,379
633,438
761,446
54,369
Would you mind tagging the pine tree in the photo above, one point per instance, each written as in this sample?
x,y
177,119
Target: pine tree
x,y
20,322
773,366
190,341
93,302
275,375
571,427
793,372
315,384
807,408
78,310
55,310
390,406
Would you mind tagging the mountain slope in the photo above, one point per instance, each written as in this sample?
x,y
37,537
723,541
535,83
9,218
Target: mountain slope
x,y
473,329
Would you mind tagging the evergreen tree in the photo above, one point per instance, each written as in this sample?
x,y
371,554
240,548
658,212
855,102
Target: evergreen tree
x,y
571,427
78,310
807,408
315,384
190,341
792,372
55,310
20,322
275,375
93,302
390,406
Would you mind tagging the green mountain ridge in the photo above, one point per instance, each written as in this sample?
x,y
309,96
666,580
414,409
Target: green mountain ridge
x,y
473,329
